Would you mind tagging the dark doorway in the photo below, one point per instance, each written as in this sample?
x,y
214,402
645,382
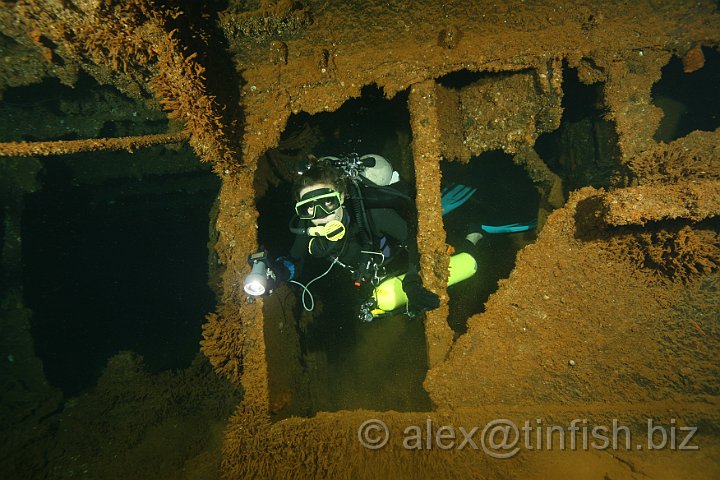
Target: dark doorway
x,y
119,265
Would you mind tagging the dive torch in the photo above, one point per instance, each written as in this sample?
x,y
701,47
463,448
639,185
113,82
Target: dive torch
x,y
261,279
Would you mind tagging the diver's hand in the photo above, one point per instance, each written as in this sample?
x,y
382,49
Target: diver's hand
x,y
453,197
419,298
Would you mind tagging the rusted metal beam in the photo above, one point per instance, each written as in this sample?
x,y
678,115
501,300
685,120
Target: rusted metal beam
x,y
66,147
693,200
434,258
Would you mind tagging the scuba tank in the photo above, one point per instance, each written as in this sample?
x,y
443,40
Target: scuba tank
x,y
372,184
389,297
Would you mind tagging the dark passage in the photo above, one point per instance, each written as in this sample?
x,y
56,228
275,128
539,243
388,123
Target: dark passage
x,y
690,101
584,150
505,195
347,363
53,111
118,265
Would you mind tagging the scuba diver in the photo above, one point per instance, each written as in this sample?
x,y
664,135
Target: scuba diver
x,y
352,211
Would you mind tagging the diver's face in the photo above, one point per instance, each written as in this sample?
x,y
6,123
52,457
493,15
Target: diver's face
x,y
336,215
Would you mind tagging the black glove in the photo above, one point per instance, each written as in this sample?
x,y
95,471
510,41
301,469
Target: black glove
x,y
419,298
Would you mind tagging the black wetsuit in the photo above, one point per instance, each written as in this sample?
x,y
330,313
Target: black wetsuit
x,y
371,226
389,234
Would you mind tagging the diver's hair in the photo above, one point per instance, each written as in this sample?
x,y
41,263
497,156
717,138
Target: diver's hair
x,y
319,172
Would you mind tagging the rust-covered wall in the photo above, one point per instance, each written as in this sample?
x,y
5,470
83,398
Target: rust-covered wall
x,y
583,293
602,309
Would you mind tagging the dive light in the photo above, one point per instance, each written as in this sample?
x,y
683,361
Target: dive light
x,y
261,279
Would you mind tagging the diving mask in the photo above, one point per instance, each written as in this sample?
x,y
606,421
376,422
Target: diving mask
x,y
318,203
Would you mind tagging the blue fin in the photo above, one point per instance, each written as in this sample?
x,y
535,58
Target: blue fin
x,y
454,196
510,228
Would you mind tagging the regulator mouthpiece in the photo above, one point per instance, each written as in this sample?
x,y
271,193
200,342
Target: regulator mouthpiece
x,y
334,230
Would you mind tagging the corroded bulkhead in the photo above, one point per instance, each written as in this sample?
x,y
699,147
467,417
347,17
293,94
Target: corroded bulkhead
x,y
612,313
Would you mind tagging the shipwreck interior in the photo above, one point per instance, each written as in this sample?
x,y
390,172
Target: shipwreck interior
x,y
148,148
584,150
341,363
102,285
505,195
688,100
